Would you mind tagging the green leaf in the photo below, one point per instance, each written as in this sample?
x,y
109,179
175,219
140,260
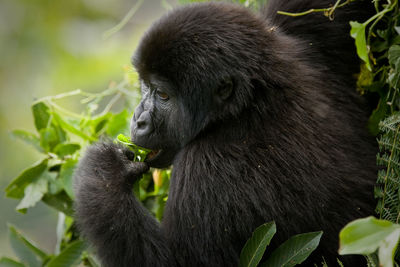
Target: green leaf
x,y
397,29
66,176
41,115
365,236
48,138
70,128
394,61
27,137
70,256
294,251
62,135
358,33
28,253
254,248
55,186
7,262
394,55
124,140
63,150
33,193
16,188
98,123
92,261
118,123
140,152
377,115
61,202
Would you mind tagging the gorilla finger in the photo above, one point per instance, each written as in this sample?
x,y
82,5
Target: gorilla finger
x,y
129,154
135,169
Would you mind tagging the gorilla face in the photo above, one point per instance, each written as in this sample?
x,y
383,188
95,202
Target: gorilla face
x,y
166,120
156,120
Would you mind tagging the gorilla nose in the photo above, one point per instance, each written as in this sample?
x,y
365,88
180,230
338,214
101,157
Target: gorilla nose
x,y
141,126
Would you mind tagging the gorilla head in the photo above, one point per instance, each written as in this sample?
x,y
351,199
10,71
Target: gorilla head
x,y
197,69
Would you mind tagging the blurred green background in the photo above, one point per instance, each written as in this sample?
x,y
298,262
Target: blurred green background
x,y
48,47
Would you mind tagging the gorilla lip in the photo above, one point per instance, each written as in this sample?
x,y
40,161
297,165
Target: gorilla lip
x,y
153,154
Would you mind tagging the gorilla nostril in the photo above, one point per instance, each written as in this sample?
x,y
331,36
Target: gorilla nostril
x,y
141,124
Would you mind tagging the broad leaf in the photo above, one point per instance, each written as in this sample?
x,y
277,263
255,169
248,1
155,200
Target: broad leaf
x,y
48,138
92,261
25,250
394,60
71,128
358,33
69,256
394,55
41,115
66,176
254,248
98,123
61,202
118,123
294,251
34,192
63,150
16,188
365,236
397,29
377,116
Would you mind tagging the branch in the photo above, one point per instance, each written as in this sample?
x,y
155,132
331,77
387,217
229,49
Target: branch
x,y
327,11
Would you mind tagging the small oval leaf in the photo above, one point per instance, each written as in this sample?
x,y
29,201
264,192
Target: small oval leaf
x,y
254,248
365,236
294,251
69,256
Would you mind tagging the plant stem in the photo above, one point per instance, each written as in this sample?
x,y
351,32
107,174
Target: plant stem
x,y
329,10
124,21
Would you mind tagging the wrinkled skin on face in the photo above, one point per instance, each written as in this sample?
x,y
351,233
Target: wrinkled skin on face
x,y
150,124
163,120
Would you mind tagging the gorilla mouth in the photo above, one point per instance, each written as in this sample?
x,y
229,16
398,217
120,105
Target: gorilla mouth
x,y
153,154
161,158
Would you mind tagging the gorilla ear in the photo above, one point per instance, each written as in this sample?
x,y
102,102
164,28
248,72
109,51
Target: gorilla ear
x,y
224,89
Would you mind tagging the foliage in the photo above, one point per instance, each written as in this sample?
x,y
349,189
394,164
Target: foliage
x,y
365,236
60,138
389,178
140,152
378,45
292,252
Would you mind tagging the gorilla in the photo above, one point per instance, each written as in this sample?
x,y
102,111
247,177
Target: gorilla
x,y
259,116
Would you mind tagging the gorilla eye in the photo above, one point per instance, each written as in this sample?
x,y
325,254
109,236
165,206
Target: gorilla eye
x,y
162,95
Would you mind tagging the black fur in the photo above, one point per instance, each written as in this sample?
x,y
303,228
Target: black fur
x,y
290,144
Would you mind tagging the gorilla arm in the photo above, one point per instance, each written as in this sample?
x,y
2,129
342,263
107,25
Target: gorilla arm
x,y
108,214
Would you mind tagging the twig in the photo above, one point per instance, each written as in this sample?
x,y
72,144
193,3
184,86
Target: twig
x,y
124,21
65,111
111,104
328,11
60,96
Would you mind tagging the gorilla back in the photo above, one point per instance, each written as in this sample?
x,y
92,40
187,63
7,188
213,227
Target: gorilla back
x,y
259,116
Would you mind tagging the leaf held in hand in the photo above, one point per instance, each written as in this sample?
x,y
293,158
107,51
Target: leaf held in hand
x,y
140,153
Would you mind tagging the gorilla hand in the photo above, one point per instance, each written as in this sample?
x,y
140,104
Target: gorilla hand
x,y
108,214
109,165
